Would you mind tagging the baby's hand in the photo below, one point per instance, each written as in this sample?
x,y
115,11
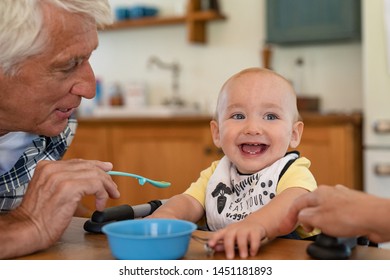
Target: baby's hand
x,y
244,236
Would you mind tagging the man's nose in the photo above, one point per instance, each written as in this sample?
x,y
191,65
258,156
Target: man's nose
x,y
85,86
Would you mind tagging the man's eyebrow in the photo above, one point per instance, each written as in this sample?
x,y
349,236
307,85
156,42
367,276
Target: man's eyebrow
x,y
81,57
78,57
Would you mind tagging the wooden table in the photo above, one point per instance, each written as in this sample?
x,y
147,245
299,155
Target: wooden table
x,y
76,244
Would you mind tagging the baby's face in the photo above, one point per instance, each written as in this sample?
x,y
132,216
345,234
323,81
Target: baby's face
x,y
257,120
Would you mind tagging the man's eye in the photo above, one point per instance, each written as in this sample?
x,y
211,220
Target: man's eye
x,y
238,117
72,65
69,67
270,117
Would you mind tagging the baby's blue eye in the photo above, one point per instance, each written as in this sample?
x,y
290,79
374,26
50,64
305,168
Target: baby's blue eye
x,y
270,117
238,117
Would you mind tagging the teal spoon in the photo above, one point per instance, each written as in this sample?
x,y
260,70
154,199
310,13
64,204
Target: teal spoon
x,y
141,180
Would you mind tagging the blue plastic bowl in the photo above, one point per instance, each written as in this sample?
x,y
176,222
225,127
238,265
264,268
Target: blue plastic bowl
x,y
149,239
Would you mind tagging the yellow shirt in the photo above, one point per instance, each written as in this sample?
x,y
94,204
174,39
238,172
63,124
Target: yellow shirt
x,y
297,175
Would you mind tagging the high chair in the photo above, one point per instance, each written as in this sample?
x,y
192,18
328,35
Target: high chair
x,y
119,213
324,247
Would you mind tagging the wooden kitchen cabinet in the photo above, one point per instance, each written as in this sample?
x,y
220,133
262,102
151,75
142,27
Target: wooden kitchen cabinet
x,y
333,143
170,152
177,149
91,142
174,150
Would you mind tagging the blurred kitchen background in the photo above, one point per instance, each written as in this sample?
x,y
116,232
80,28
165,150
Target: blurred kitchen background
x,y
160,66
330,70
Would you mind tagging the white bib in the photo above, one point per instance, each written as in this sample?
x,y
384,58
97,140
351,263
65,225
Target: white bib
x,y
230,196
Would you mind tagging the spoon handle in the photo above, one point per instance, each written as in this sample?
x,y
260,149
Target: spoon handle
x,y
124,174
141,180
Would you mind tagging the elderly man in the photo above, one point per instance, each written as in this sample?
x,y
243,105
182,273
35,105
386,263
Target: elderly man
x,y
44,73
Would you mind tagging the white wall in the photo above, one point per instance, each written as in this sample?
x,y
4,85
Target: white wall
x,y
331,71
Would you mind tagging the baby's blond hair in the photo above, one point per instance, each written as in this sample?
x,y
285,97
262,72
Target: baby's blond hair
x,y
259,71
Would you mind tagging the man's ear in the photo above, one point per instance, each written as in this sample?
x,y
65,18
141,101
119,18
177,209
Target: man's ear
x,y
296,134
215,133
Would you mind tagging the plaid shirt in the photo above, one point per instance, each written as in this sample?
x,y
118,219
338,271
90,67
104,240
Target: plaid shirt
x,y
14,183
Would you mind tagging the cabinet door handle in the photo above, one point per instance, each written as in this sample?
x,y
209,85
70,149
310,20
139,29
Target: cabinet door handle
x,y
382,169
382,126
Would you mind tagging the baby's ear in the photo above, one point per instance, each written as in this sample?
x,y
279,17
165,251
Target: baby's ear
x,y
296,134
215,133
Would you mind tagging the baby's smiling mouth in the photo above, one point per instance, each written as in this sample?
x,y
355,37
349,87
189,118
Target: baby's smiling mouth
x,y
253,149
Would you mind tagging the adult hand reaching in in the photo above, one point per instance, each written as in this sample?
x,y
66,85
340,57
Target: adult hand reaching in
x,y
53,195
342,212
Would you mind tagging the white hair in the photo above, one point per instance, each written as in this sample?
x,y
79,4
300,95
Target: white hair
x,y
22,32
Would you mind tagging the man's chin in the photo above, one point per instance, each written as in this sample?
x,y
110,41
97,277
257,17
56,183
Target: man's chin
x,y
53,130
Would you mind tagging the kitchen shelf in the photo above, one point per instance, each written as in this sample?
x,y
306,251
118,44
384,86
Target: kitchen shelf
x,y
196,24
206,16
146,21
195,20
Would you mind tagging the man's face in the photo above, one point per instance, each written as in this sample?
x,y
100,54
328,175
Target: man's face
x,y
48,87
